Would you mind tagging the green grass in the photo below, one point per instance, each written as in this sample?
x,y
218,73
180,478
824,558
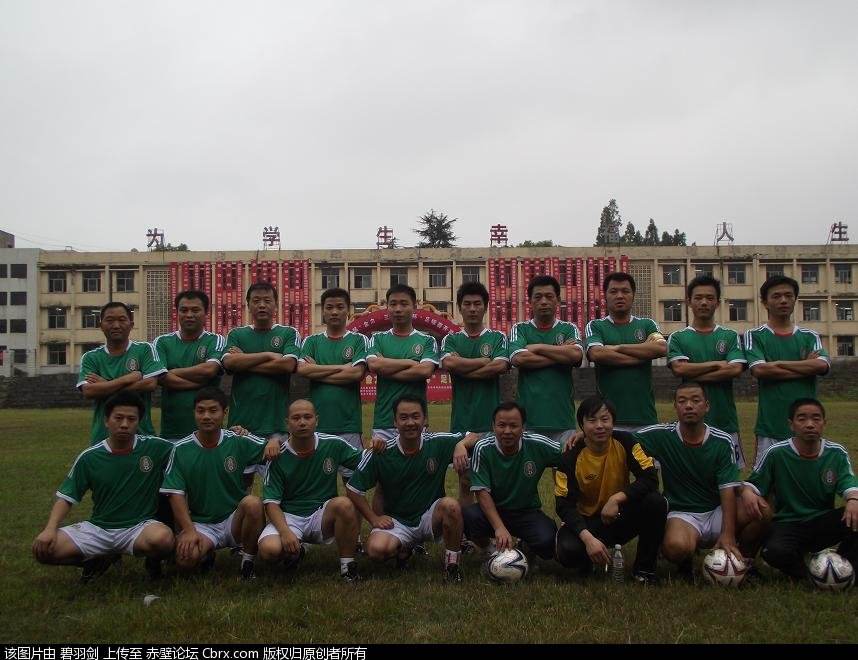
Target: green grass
x,y
47,604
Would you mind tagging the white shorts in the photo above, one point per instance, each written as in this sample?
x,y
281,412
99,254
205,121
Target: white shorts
x,y
95,541
220,534
308,529
355,441
764,443
410,536
708,525
738,452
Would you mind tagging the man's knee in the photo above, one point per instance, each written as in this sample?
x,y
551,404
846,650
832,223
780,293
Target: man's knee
x,y
678,547
270,548
251,506
570,549
160,538
450,509
342,507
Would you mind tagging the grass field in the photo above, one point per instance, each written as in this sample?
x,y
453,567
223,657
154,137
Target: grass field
x,y
47,604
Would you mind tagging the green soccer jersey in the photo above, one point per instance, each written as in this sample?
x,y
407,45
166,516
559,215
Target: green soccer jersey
x,y
628,388
302,484
211,479
692,475
545,393
474,399
775,396
258,402
177,406
338,406
804,488
513,480
139,356
411,482
124,486
722,344
417,346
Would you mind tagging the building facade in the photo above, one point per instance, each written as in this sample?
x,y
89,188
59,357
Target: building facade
x,y
19,309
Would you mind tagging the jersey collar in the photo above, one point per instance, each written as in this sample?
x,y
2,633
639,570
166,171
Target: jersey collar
x,y
632,317
219,440
705,434
124,351
402,451
289,448
536,325
500,449
797,453
780,334
110,451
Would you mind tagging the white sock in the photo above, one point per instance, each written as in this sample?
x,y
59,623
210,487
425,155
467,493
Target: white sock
x,y
452,557
246,557
344,563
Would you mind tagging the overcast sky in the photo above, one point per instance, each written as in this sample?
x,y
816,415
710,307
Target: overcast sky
x,y
213,119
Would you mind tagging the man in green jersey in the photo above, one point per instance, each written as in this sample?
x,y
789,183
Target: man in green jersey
x,y
505,471
334,361
411,469
785,359
123,472
475,357
805,473
192,357
204,482
623,346
300,494
120,364
545,349
710,354
699,475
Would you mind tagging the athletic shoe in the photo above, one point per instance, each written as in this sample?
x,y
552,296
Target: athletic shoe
x,y
468,547
93,568
351,574
247,572
453,574
418,549
645,578
291,562
153,568
402,559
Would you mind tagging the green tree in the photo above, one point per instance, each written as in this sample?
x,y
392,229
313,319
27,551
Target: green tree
x,y
651,234
545,243
435,230
666,238
169,247
679,238
609,225
632,236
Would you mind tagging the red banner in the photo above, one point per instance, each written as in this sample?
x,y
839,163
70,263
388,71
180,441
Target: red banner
x,y
186,276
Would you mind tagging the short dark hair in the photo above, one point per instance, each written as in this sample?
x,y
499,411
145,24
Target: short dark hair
x,y
301,400
212,393
703,280
690,385
591,405
407,398
618,276
116,303
192,294
509,405
543,280
336,293
401,288
776,280
260,286
472,289
124,398
805,401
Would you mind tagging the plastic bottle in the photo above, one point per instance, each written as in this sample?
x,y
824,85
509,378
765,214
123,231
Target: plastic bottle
x,y
618,564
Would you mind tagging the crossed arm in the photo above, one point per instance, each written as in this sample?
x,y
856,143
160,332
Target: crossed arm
x,y
706,372
537,356
265,363
189,378
480,368
97,387
332,374
628,355
399,369
813,365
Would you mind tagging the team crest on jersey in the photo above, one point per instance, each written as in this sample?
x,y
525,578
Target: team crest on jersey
x,y
230,464
418,349
721,347
485,350
202,352
828,477
328,466
559,339
145,464
276,342
132,364
348,352
431,466
639,334
529,469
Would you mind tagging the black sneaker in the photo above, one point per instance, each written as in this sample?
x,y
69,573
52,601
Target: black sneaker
x,y
419,550
247,572
453,574
351,575
645,578
291,561
153,568
97,566
468,547
685,572
402,559
208,562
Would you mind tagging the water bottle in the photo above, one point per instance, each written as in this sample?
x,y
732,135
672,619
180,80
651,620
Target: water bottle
x,y
618,564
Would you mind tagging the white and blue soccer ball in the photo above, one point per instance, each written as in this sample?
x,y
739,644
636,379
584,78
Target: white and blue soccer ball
x,y
507,566
830,572
724,569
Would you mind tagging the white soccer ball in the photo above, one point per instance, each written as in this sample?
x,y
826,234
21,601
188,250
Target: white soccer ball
x,y
725,570
507,566
830,571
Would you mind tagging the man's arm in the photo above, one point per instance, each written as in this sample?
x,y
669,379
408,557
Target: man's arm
x,y
651,349
773,371
43,545
567,354
727,539
363,507
145,385
383,366
418,371
456,364
317,371
503,539
493,369
200,373
684,368
174,382
813,365
238,361
346,375
97,387
525,359
279,366
609,356
727,371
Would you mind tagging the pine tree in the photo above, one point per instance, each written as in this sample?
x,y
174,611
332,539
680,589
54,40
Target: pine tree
x,y
609,225
651,234
435,230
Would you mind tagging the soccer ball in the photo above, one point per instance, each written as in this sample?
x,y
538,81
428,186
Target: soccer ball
x,y
507,566
830,571
723,569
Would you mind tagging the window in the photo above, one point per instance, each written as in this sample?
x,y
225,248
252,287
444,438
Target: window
x,y
360,307
470,274
85,348
92,281
330,278
812,310
124,281
846,346
56,282
671,275
441,306
18,326
672,310
56,317
89,317
19,356
736,274
398,276
437,277
18,270
844,310
3,327
738,310
3,270
810,274
773,270
56,353
704,269
18,298
843,273
363,278
3,298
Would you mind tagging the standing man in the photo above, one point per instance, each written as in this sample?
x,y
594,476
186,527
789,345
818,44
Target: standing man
x,y
712,355
545,349
785,359
192,357
120,364
334,361
622,347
